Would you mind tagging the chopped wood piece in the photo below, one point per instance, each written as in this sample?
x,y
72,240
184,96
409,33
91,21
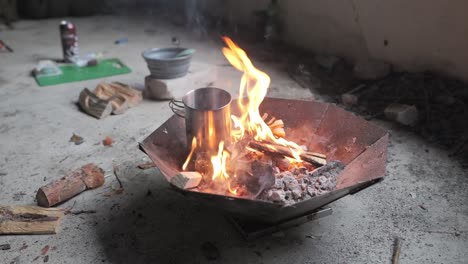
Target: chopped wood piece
x,y
396,251
87,177
120,95
187,179
310,157
93,105
29,220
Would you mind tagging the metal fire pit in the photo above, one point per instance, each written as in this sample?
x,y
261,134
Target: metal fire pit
x,y
323,127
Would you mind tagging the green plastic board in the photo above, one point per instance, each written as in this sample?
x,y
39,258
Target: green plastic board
x,y
73,73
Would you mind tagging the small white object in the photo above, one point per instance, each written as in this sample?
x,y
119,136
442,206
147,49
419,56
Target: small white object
x,y
187,179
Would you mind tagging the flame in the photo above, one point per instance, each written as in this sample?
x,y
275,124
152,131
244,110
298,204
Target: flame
x,y
253,88
189,157
219,163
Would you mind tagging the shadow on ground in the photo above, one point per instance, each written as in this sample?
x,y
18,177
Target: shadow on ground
x,y
151,223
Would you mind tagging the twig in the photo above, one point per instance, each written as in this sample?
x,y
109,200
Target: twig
x,y
116,169
396,251
63,159
80,212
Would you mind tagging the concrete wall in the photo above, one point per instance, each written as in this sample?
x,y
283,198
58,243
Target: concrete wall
x,y
420,34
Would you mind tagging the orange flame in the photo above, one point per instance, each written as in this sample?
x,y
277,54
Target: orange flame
x,y
253,89
189,157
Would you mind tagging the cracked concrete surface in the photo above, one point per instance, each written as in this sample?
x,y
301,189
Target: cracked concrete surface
x,y
423,199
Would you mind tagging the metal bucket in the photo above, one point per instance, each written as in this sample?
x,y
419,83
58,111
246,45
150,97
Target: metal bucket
x,y
207,114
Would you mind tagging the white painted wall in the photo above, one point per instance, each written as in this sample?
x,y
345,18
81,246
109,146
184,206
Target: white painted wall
x,y
421,34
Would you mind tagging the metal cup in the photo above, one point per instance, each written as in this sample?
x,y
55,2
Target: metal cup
x,y
207,114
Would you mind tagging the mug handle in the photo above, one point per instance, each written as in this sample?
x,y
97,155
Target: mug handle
x,y
177,107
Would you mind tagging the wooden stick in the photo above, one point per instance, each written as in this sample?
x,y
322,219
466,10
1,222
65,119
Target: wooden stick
x,y
29,220
87,177
396,251
311,157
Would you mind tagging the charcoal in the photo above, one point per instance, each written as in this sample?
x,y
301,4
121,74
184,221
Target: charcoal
x,y
276,196
300,184
288,179
279,184
296,192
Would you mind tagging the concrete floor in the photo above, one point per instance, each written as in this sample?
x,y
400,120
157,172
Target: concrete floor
x,y
149,223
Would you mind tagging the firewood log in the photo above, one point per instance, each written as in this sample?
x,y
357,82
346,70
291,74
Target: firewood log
x,y
87,177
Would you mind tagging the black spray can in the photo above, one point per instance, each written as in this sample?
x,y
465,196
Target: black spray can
x,y
69,40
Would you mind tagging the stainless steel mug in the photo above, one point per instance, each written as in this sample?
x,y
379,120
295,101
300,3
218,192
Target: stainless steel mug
x,y
207,113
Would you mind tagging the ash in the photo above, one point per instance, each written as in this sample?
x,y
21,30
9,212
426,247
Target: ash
x,y
301,184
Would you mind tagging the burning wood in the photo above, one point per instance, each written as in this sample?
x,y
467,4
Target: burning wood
x,y
257,162
311,157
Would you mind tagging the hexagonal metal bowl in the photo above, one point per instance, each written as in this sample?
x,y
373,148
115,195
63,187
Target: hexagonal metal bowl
x,y
323,127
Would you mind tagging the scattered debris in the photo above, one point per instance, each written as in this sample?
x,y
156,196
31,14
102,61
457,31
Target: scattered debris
x,y
5,247
187,179
326,61
80,212
76,139
371,69
46,258
116,171
3,45
210,251
313,237
121,41
87,177
107,141
29,220
396,251
352,97
18,196
146,166
402,113
45,249
23,247
46,68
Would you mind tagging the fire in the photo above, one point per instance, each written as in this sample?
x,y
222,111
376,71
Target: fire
x,y
253,89
189,157
219,163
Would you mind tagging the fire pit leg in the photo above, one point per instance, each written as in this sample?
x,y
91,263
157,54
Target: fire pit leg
x,y
252,230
